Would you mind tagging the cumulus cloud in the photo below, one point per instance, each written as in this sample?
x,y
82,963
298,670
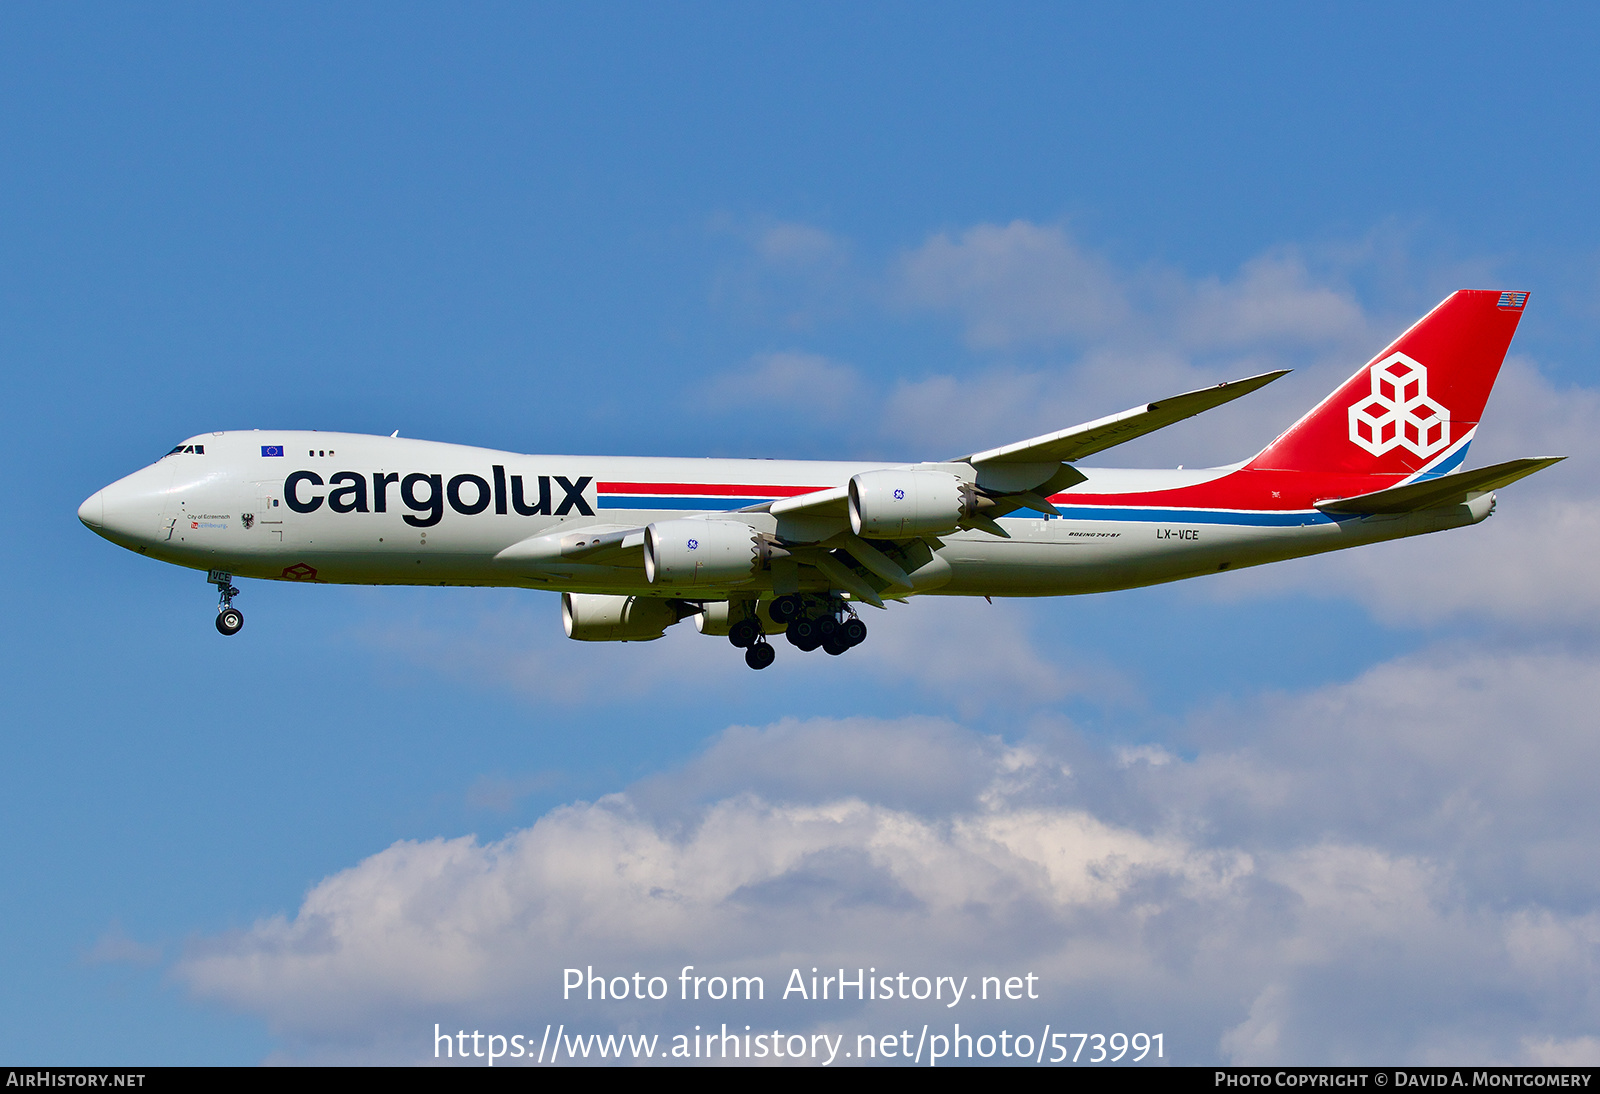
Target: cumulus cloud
x,y
1016,283
1061,334
116,947
1026,284
792,274
1393,868
1118,338
785,383
1274,299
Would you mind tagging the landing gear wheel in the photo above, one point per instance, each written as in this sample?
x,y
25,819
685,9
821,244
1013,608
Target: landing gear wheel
x,y
760,655
804,634
785,608
744,633
827,625
835,644
229,618
854,632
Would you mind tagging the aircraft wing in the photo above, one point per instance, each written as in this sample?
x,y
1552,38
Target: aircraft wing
x,y
814,525
1452,489
1079,441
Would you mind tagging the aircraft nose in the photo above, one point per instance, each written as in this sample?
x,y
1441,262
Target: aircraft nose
x,y
93,511
128,512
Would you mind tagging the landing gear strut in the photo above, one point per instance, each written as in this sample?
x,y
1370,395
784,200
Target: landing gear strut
x,y
229,618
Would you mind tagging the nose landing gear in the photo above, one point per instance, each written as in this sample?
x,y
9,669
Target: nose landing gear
x,y
229,619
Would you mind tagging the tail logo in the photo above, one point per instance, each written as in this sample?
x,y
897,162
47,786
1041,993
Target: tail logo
x,y
1398,412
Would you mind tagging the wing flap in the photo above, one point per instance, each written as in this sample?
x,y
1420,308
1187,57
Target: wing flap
x,y
1452,489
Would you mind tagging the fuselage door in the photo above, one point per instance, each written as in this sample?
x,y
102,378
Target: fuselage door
x,y
268,517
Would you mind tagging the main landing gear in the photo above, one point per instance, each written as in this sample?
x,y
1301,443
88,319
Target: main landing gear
x,y
229,619
746,634
811,622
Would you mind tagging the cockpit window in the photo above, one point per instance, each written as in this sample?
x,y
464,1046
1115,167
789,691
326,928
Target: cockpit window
x,y
197,449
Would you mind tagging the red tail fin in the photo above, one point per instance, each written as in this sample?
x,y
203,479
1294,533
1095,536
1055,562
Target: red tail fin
x,y
1416,404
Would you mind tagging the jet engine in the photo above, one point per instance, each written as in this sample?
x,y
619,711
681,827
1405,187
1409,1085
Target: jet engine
x,y
718,616
701,552
590,617
902,504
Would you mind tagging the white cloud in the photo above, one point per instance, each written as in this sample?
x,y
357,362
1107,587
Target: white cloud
x,y
1065,336
116,947
788,384
793,274
1016,283
1134,336
1274,299
1393,868
501,793
805,245
1550,1052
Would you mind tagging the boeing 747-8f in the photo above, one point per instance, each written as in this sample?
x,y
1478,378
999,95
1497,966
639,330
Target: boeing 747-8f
x,y
751,548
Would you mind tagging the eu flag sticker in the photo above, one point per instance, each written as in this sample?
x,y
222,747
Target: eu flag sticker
x,y
272,450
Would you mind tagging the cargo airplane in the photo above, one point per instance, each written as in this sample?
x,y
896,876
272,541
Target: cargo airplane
x,y
752,548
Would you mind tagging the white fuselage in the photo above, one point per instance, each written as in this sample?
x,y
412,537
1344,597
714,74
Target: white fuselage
x,y
356,509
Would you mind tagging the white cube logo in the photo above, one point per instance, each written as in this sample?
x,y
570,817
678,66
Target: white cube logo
x,y
1398,413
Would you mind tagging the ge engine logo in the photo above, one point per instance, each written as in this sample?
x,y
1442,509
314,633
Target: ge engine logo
x,y
1398,413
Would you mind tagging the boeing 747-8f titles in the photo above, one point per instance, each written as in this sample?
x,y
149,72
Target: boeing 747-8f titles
x,y
749,548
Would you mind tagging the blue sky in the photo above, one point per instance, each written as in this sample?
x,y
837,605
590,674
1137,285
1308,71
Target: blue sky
x,y
1334,810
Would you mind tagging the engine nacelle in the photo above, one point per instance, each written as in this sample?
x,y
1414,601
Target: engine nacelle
x,y
717,616
592,617
700,552
902,504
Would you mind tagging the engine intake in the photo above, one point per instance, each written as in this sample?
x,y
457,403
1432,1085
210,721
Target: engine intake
x,y
592,617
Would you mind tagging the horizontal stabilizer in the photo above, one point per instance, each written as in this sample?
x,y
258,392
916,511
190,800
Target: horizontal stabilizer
x,y
1439,492
1083,440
